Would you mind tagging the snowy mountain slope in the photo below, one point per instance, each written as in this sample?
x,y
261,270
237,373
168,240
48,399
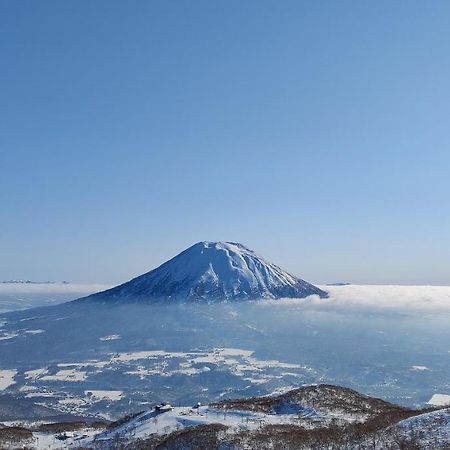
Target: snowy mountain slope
x,y
430,430
212,271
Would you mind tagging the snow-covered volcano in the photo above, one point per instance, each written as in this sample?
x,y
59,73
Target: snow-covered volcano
x,y
212,271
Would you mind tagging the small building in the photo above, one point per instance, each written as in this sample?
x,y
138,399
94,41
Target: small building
x,y
163,407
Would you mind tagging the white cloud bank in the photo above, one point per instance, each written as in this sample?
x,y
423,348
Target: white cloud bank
x,y
363,298
15,296
377,298
407,298
50,288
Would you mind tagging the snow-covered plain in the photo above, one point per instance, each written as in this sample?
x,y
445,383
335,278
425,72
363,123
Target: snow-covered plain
x,y
105,395
7,378
387,341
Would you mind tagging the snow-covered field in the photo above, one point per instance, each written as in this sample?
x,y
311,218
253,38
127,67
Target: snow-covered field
x,y
49,384
7,378
388,341
439,400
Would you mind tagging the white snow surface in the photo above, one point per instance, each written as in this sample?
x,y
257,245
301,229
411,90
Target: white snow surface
x,y
111,337
152,422
7,378
419,368
66,375
104,395
439,400
432,429
36,373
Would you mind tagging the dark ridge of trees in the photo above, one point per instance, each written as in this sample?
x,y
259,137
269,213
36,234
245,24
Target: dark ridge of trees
x,y
321,396
367,435
117,423
60,427
14,435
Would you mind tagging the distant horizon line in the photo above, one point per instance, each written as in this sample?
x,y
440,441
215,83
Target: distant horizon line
x,y
27,281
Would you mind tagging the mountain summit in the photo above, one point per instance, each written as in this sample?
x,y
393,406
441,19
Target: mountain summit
x,y
212,271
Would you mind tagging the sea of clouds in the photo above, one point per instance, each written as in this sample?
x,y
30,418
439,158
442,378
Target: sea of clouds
x,y
15,296
379,298
355,298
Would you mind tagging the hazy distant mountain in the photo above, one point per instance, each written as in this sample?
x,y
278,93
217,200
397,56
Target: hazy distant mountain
x,y
212,271
33,282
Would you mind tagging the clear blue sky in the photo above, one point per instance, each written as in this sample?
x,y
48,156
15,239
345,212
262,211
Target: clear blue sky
x,y
315,132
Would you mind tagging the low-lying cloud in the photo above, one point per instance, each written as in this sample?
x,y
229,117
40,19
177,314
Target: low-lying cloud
x,y
378,298
350,298
14,296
